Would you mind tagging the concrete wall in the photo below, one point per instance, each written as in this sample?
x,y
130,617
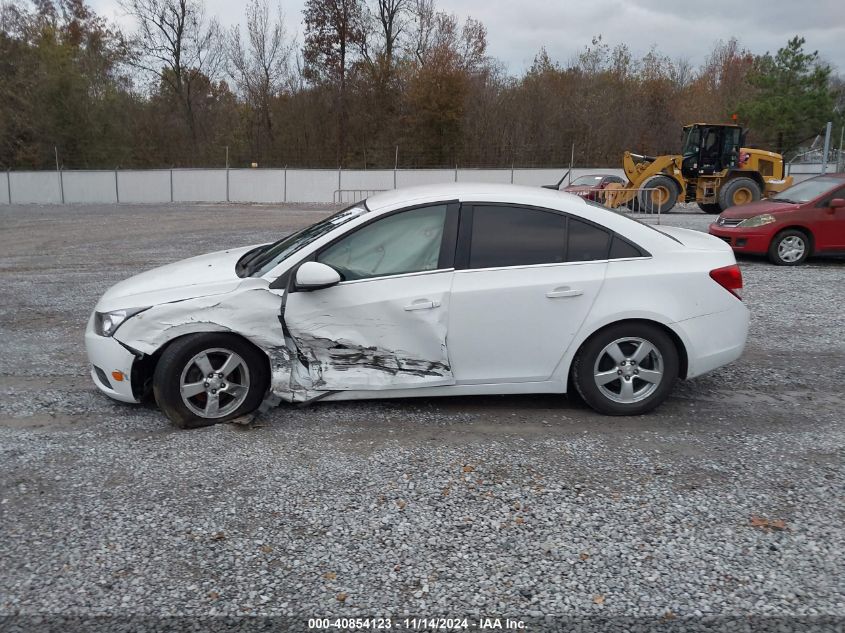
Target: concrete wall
x,y
312,185
265,185
35,186
5,181
414,177
199,185
156,186
802,171
89,186
144,186
256,185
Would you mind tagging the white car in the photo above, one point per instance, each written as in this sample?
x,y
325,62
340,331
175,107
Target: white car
x,y
456,289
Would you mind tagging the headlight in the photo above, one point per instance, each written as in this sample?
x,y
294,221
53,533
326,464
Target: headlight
x,y
106,323
758,220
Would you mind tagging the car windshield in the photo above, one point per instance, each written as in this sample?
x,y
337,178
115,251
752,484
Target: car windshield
x,y
585,181
808,190
268,257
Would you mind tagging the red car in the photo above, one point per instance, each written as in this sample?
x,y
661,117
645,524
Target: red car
x,y
806,219
590,186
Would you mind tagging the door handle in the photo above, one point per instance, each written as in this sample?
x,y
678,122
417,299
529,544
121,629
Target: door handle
x,y
564,291
422,304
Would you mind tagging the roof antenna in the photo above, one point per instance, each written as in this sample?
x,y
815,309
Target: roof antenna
x,y
559,182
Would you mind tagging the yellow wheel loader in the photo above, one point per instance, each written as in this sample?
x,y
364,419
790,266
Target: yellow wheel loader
x,y
713,170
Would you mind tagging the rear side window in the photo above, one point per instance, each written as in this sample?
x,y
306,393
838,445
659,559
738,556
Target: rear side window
x,y
586,242
516,236
620,249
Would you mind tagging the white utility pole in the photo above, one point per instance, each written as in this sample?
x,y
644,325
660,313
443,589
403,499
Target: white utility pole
x,y
826,146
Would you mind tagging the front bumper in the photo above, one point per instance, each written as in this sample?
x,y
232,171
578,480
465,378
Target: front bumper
x,y
108,356
743,240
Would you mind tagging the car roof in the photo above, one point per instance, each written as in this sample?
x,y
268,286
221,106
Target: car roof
x,y
492,193
467,191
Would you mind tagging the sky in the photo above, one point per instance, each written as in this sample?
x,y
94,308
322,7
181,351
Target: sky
x,y
518,28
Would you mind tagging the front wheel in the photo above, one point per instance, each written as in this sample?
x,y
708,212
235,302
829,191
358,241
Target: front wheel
x,y
658,195
739,191
789,248
203,379
626,369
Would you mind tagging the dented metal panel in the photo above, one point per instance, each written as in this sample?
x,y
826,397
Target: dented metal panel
x,y
373,334
251,313
357,335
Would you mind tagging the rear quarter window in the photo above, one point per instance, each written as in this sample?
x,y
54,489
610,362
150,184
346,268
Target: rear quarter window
x,y
622,249
586,242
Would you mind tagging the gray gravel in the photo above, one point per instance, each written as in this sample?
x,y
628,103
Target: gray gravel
x,y
726,503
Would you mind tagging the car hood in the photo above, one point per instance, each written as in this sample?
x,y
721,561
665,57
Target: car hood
x,y
746,211
200,276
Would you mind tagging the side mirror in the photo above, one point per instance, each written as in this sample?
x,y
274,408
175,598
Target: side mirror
x,y
837,203
314,276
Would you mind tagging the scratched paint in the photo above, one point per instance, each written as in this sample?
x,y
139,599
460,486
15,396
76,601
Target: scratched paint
x,y
344,365
364,336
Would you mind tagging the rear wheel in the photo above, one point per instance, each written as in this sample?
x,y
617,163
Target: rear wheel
x,y
626,369
789,248
659,195
739,191
203,379
710,207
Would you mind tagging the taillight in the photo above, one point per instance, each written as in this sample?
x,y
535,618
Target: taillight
x,y
730,278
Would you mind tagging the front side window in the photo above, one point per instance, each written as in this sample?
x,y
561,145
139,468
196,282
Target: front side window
x,y
825,202
402,243
516,236
692,141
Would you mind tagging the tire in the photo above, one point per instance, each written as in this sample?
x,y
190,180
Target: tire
x,y
596,374
181,363
789,248
712,208
739,191
663,197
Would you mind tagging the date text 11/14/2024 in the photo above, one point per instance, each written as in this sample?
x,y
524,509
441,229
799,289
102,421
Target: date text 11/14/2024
x,y
416,624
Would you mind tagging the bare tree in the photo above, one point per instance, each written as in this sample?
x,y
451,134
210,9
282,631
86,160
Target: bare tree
x,y
424,18
681,72
178,46
333,31
386,24
436,35
260,63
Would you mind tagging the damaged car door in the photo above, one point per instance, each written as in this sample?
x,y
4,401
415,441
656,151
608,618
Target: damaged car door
x,y
383,326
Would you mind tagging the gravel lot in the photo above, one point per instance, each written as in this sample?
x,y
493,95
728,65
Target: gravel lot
x,y
723,507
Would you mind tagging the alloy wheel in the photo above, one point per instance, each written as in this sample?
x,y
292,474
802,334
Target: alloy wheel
x,y
214,383
628,370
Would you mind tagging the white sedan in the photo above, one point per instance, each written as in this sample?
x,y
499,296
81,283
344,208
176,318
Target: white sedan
x,y
432,291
